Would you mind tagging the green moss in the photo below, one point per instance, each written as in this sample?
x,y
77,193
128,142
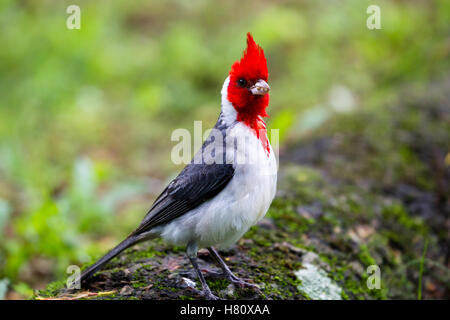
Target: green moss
x,y
397,214
52,289
217,285
365,257
139,284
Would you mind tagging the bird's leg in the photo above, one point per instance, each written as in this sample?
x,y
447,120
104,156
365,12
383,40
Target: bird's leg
x,y
192,255
230,275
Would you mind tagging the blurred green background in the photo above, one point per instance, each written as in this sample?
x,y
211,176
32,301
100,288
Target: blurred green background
x,y
86,115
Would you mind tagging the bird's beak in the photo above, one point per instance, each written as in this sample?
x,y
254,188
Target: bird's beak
x,y
260,88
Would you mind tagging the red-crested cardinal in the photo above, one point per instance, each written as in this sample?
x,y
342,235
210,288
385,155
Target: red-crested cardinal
x,y
229,184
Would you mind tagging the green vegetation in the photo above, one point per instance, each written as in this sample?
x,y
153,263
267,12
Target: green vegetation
x,y
86,117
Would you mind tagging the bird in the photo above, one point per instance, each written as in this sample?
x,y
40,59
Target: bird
x,y
229,184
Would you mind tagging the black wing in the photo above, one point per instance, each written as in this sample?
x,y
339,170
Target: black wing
x,y
194,185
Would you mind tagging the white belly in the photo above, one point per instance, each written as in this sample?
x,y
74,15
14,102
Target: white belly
x,y
224,219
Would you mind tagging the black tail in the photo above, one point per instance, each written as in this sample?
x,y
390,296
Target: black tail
x,y
128,242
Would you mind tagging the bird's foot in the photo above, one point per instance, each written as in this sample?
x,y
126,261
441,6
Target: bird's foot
x,y
213,274
205,293
237,282
240,283
209,295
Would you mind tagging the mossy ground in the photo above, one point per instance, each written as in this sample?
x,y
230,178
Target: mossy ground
x,y
367,189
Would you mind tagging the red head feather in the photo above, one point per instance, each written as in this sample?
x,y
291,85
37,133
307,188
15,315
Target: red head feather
x,y
251,68
253,63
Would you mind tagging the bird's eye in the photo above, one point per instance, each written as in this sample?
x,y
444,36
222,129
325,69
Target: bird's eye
x,y
241,82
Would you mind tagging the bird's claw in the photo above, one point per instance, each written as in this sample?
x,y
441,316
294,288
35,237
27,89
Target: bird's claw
x,y
237,282
243,284
209,295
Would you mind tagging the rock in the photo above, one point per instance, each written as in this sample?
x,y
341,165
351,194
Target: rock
x,y
316,284
188,283
367,188
126,290
286,246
